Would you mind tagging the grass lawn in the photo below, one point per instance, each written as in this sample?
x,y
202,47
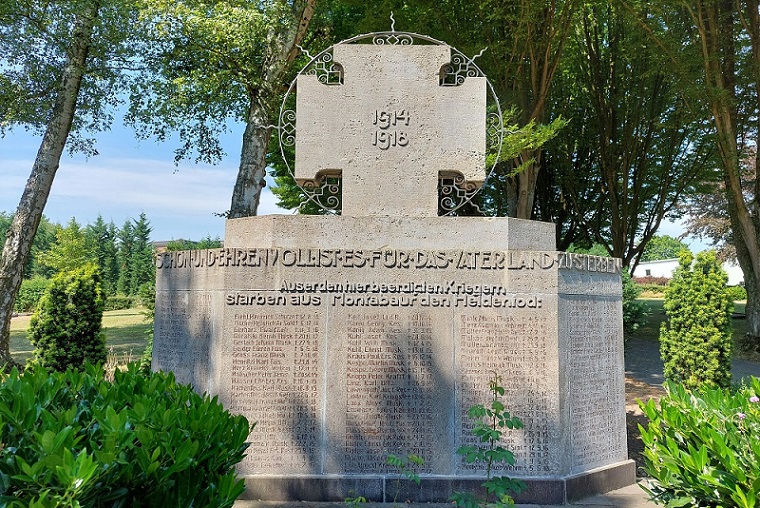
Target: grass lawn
x,y
651,330
125,334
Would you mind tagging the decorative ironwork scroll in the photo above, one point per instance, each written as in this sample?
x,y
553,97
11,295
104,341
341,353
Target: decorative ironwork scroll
x,y
325,193
325,69
460,68
454,192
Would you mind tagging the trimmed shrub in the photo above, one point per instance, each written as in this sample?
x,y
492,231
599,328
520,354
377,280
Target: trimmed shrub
x,y
66,327
695,342
736,293
634,312
30,293
120,302
76,439
701,446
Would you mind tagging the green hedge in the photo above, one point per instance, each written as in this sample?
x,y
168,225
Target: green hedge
x,y
30,293
736,293
635,312
77,440
701,446
652,289
121,302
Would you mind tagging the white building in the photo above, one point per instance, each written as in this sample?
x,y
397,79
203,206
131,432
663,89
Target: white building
x,y
666,267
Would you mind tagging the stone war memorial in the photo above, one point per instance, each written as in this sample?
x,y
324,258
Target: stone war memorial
x,y
354,335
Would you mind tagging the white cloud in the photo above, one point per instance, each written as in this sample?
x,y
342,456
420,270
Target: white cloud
x,y
180,203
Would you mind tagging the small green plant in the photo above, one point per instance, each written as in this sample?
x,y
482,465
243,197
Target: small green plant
x,y
66,327
701,446
490,423
407,466
354,500
695,342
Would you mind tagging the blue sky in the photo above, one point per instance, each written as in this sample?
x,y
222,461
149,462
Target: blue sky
x,y
127,178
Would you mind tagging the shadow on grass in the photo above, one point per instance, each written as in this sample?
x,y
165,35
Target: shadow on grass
x,y
126,332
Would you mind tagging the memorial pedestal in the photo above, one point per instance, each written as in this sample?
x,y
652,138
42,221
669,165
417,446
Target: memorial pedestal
x,y
350,338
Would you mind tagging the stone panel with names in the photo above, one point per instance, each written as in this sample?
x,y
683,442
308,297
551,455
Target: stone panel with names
x,y
275,372
518,347
344,355
596,385
186,322
389,394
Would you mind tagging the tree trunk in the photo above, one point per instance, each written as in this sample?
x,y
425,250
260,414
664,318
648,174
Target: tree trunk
x,y
716,27
752,311
750,260
253,167
527,181
18,242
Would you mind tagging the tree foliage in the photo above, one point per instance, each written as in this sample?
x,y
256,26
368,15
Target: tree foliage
x,y
707,213
101,240
65,330
70,250
203,243
695,342
637,143
213,62
37,44
663,247
44,239
141,265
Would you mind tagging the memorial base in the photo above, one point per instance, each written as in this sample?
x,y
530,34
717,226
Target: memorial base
x,y
384,489
348,339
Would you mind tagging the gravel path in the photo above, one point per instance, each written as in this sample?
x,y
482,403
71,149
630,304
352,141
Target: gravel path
x,y
642,361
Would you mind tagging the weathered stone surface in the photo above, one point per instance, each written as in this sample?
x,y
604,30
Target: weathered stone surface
x,y
344,355
391,128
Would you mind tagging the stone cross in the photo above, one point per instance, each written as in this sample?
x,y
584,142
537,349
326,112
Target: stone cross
x,y
390,128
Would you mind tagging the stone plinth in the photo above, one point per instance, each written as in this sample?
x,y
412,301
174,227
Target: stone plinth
x,y
347,339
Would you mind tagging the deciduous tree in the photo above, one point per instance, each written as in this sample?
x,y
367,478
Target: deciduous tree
x,y
215,62
663,247
636,145
70,251
57,77
728,36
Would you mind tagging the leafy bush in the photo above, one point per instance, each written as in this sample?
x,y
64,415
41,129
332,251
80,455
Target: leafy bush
x,y
736,293
30,293
695,342
120,302
74,439
65,328
701,447
634,312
